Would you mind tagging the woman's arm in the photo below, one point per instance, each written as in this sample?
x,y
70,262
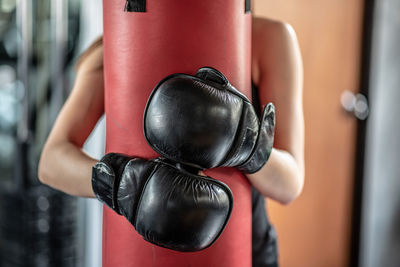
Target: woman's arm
x,y
63,165
280,80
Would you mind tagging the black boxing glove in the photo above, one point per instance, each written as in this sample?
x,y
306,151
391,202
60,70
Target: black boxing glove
x,y
167,205
204,122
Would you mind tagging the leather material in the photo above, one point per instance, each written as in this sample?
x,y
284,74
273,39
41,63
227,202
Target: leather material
x,y
139,50
182,211
168,206
105,175
205,122
264,144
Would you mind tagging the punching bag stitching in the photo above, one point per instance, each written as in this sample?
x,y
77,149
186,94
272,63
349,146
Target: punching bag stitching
x,y
135,6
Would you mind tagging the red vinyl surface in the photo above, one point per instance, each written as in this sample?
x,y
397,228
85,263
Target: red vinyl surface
x,y
139,50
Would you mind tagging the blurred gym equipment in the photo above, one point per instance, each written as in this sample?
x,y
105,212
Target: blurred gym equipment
x,y
38,225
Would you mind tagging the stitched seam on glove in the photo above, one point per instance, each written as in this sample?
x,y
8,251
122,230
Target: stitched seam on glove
x,y
143,189
244,166
231,152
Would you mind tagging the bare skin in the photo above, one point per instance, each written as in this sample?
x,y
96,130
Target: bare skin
x,y
276,69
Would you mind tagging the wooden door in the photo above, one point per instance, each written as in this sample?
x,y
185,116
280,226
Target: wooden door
x,y
314,231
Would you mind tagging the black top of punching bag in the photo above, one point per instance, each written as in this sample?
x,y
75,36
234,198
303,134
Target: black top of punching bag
x,y
135,6
140,6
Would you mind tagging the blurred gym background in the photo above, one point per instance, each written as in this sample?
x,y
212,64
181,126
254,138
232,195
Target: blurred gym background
x,y
349,212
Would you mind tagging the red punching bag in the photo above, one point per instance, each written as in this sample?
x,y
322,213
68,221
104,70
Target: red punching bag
x,y
140,49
